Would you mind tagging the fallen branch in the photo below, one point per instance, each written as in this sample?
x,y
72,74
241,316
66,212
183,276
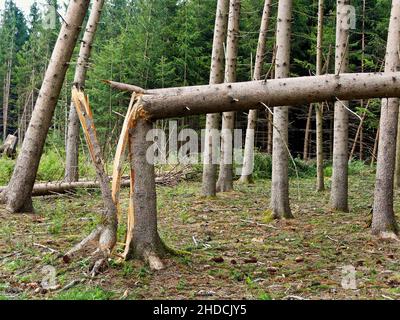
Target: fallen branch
x,y
51,188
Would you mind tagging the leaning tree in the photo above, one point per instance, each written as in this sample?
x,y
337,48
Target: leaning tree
x,y
17,196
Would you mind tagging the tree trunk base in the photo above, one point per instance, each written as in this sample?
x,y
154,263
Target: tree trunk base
x,y
246,180
150,252
224,187
11,207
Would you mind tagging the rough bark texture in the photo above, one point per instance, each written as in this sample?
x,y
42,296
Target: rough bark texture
x,y
72,148
243,96
247,169
225,177
6,95
383,219
145,240
320,107
213,120
307,133
397,172
339,192
18,194
280,165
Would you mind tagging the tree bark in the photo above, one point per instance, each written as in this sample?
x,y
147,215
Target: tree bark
x,y
307,133
383,219
243,96
248,162
18,193
6,96
319,108
280,164
397,167
145,241
225,177
72,146
339,192
212,120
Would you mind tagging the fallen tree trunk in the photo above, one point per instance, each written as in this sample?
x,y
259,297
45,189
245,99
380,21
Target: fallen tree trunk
x,y
242,96
51,188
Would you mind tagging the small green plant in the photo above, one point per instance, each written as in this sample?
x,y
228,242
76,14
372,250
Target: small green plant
x,y
181,285
80,293
264,296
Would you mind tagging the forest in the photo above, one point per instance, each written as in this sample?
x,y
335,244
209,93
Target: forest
x,y
199,150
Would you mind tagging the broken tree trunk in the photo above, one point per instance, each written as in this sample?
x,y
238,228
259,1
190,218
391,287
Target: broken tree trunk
x,y
105,235
339,192
144,240
243,96
225,177
72,147
9,147
213,119
18,194
280,153
248,162
383,218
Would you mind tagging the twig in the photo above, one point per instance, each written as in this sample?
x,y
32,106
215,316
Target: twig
x,y
45,247
71,284
294,298
348,109
258,224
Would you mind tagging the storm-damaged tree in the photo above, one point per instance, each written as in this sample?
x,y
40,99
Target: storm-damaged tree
x,y
247,169
339,192
212,120
17,196
280,154
383,220
72,147
225,177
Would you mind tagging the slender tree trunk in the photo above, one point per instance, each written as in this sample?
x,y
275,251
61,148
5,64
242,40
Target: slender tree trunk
x,y
375,149
72,147
270,133
358,135
6,98
18,194
280,165
397,168
225,178
320,107
212,120
339,192
384,220
247,169
307,133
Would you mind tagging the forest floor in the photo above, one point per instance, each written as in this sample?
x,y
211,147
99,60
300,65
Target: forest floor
x,y
236,250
